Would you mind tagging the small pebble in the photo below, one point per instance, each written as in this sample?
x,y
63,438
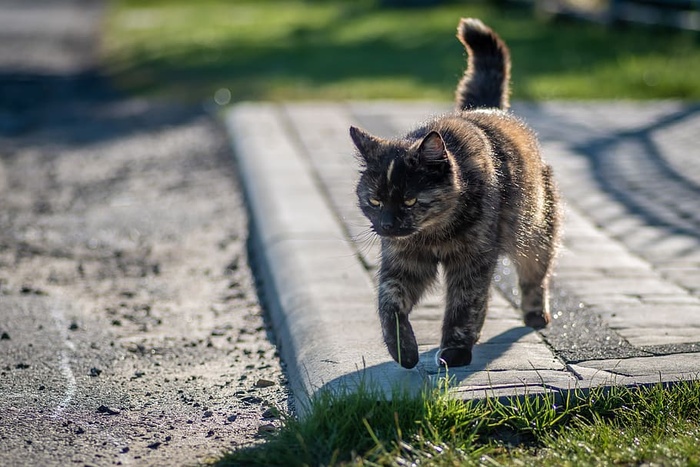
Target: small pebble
x,y
107,411
264,383
251,400
266,429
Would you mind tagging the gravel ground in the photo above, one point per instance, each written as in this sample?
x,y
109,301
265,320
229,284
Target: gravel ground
x,y
130,329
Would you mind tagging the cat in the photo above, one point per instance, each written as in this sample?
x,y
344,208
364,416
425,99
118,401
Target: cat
x,y
459,191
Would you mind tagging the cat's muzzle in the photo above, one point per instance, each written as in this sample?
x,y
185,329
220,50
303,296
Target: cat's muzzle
x,y
393,232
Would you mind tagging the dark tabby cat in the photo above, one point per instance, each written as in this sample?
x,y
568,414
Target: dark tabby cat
x,y
460,190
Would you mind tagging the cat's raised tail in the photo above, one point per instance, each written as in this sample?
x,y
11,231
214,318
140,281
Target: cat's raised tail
x,y
485,83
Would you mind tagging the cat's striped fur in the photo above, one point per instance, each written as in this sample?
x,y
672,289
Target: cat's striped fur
x,y
459,191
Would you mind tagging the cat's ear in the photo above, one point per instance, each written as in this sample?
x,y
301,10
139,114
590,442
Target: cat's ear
x,y
432,148
364,142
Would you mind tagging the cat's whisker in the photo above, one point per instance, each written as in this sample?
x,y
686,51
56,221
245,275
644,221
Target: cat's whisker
x,y
366,241
364,235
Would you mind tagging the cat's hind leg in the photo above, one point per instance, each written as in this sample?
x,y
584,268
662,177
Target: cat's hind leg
x,y
533,278
536,261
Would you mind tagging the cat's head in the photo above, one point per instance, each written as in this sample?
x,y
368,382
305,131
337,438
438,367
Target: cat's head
x,y
405,186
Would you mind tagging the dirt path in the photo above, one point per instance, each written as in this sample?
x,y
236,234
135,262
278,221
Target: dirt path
x,y
130,331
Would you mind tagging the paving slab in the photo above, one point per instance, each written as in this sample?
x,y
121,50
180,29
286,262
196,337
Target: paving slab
x,y
626,301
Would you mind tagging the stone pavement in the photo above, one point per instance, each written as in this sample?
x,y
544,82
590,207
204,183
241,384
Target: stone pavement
x,y
627,287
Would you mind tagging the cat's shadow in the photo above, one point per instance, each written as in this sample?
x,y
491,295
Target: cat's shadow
x,y
496,363
495,354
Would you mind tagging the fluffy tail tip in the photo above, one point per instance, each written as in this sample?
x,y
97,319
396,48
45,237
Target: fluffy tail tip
x,y
469,27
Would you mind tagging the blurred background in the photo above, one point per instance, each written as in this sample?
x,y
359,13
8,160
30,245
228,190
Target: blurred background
x,y
234,50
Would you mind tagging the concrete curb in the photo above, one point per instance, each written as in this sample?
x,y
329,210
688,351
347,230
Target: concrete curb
x,y
319,301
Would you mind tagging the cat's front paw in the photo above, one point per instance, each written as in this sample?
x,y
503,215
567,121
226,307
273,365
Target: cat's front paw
x,y
401,342
405,351
454,356
537,319
408,357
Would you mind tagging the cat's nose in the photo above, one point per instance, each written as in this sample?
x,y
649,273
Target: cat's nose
x,y
386,221
387,225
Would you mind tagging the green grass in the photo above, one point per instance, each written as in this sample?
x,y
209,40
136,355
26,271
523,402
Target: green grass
x,y
345,49
620,426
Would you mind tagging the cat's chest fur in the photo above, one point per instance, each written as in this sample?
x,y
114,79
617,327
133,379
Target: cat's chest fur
x,y
459,247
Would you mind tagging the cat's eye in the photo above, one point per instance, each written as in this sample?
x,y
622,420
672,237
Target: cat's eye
x,y
374,202
410,202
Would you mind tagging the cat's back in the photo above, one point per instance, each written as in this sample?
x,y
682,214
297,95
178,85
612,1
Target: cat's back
x,y
507,138
476,130
500,127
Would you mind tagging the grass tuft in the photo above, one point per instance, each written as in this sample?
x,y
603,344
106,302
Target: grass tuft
x,y
618,425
